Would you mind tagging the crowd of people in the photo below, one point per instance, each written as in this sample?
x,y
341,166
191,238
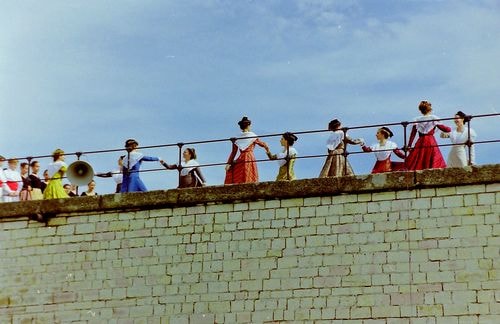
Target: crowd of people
x,y
241,166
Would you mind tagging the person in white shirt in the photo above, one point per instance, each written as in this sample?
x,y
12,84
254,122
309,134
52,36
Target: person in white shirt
x,y
458,156
14,182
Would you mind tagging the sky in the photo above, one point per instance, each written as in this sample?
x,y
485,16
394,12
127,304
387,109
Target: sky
x,y
87,75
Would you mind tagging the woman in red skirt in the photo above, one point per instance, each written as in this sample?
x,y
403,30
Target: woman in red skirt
x,y
383,150
244,168
425,154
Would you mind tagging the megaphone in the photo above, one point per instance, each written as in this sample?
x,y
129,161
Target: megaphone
x,y
80,173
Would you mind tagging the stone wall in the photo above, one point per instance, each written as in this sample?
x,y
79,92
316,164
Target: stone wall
x,y
397,248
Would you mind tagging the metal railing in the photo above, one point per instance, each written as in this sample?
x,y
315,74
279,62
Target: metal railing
x,y
345,152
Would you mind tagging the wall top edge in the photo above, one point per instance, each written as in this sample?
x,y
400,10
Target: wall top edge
x,y
396,181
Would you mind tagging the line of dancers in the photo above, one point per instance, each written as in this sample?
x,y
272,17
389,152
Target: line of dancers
x,y
241,166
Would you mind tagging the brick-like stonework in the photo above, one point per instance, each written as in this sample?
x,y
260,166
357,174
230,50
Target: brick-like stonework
x,y
410,254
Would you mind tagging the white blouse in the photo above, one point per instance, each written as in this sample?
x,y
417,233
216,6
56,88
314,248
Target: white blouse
x,y
281,156
54,167
246,141
426,123
380,150
335,139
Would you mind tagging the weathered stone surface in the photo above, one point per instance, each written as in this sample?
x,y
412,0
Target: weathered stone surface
x,y
390,248
396,181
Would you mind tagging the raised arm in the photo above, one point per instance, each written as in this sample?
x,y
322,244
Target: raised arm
x,y
353,141
399,153
366,148
271,156
412,135
197,173
443,128
262,144
233,154
168,166
150,158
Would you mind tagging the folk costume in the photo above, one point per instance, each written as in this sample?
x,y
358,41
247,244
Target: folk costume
x,y
244,168
37,186
190,175
131,165
336,165
286,161
26,191
14,186
54,189
458,156
3,184
383,154
426,153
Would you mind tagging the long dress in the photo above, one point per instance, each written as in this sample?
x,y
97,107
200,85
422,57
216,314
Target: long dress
x,y
383,155
131,181
426,153
458,156
286,171
336,165
244,168
55,188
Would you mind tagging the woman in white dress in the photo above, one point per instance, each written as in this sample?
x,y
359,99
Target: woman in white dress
x,y
459,137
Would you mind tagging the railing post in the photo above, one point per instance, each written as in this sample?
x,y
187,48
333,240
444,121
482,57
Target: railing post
x,y
29,158
405,144
233,142
469,142
78,154
287,159
345,153
179,162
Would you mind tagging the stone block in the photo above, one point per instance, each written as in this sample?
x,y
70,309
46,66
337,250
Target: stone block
x,y
486,199
430,310
385,311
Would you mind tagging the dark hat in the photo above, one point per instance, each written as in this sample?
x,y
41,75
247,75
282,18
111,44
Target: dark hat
x,y
130,142
244,121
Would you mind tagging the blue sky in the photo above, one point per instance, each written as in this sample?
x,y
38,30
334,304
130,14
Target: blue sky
x,y
87,75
